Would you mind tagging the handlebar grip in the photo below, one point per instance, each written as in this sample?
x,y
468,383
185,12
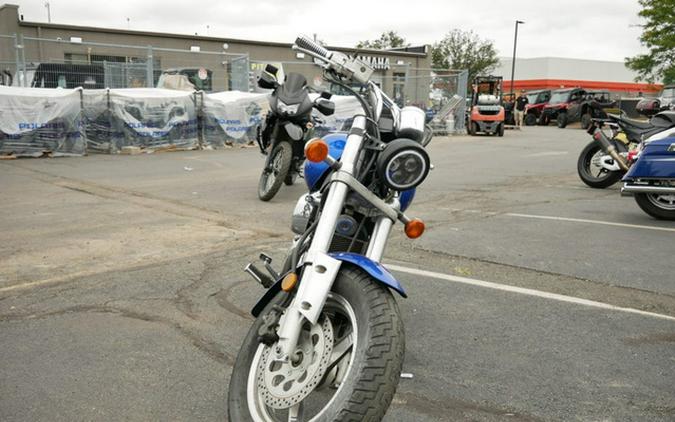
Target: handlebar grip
x,y
307,44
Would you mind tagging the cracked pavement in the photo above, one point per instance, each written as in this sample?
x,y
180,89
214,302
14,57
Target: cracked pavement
x,y
122,295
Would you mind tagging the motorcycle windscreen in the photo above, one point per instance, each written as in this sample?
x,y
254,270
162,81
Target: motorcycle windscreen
x,y
292,90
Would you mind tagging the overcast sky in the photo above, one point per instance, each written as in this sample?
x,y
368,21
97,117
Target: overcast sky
x,y
592,29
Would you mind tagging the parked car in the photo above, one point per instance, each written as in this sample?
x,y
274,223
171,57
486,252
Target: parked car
x,y
536,100
667,97
67,75
564,106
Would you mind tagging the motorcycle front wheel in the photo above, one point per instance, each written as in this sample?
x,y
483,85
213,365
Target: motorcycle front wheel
x,y
348,365
274,174
591,172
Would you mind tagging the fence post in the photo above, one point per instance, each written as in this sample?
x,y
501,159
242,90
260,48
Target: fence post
x,y
462,86
149,71
18,58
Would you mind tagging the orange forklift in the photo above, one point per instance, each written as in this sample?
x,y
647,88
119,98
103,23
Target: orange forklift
x,y
486,114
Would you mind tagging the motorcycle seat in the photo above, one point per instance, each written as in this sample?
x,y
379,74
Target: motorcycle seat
x,y
640,124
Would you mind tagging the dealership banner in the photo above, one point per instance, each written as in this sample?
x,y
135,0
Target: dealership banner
x,y
37,121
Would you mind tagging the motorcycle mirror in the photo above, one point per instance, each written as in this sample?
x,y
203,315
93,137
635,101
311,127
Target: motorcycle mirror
x,y
271,69
325,107
267,81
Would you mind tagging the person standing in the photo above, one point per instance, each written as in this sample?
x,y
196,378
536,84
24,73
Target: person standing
x,y
521,102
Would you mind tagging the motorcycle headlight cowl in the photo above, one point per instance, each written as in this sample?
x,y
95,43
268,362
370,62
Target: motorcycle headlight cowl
x,y
403,164
287,109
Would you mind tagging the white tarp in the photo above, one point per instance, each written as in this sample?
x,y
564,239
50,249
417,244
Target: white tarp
x,y
346,106
148,118
73,121
34,121
232,117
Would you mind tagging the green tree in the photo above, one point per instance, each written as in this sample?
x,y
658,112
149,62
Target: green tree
x,y
464,50
388,39
658,35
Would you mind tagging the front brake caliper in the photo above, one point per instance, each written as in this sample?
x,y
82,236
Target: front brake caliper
x,y
267,333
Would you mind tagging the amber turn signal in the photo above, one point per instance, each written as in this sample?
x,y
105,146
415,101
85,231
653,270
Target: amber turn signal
x,y
414,228
289,282
316,150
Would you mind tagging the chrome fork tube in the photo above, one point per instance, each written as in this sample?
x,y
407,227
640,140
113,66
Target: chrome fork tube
x,y
338,192
378,240
291,324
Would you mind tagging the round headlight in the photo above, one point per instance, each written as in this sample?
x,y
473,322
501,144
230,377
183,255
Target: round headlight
x,y
403,164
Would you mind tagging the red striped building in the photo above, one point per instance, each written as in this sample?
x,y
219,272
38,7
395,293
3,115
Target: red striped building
x,y
556,72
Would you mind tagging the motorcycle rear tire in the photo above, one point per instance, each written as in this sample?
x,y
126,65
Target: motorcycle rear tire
x,y
370,383
266,191
649,206
584,163
291,176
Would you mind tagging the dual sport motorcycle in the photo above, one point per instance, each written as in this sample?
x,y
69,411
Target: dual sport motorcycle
x,y
287,127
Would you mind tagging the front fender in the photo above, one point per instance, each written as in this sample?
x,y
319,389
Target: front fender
x,y
374,269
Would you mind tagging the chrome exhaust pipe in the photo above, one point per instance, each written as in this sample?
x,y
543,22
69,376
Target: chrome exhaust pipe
x,y
628,190
609,148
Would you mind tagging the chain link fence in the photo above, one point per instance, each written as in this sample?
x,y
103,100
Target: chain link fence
x,y
72,63
54,63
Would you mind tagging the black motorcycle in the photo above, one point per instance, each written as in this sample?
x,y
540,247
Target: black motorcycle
x,y
601,164
286,129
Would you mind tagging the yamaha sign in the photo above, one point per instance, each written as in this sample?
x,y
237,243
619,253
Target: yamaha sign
x,y
378,63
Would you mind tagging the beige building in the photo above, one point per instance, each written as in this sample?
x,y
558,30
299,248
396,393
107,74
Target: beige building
x,y
402,74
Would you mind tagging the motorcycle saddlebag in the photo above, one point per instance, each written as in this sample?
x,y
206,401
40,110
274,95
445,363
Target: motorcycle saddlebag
x,y
657,161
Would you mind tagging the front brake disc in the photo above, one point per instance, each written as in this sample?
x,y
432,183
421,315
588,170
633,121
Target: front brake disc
x,y
284,384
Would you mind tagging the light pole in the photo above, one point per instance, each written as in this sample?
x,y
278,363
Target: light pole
x,y
49,13
513,61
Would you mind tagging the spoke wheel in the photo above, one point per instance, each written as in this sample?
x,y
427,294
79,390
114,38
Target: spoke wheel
x,y
274,174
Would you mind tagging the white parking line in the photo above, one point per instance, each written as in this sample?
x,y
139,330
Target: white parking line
x,y
524,291
547,154
581,220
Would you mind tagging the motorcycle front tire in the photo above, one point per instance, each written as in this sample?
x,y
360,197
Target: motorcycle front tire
x,y
371,381
283,153
607,179
649,204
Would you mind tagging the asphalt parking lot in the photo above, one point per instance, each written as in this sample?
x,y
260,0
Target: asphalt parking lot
x,y
531,296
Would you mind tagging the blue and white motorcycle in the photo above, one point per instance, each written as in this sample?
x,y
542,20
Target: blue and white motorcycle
x,y
328,343
651,179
